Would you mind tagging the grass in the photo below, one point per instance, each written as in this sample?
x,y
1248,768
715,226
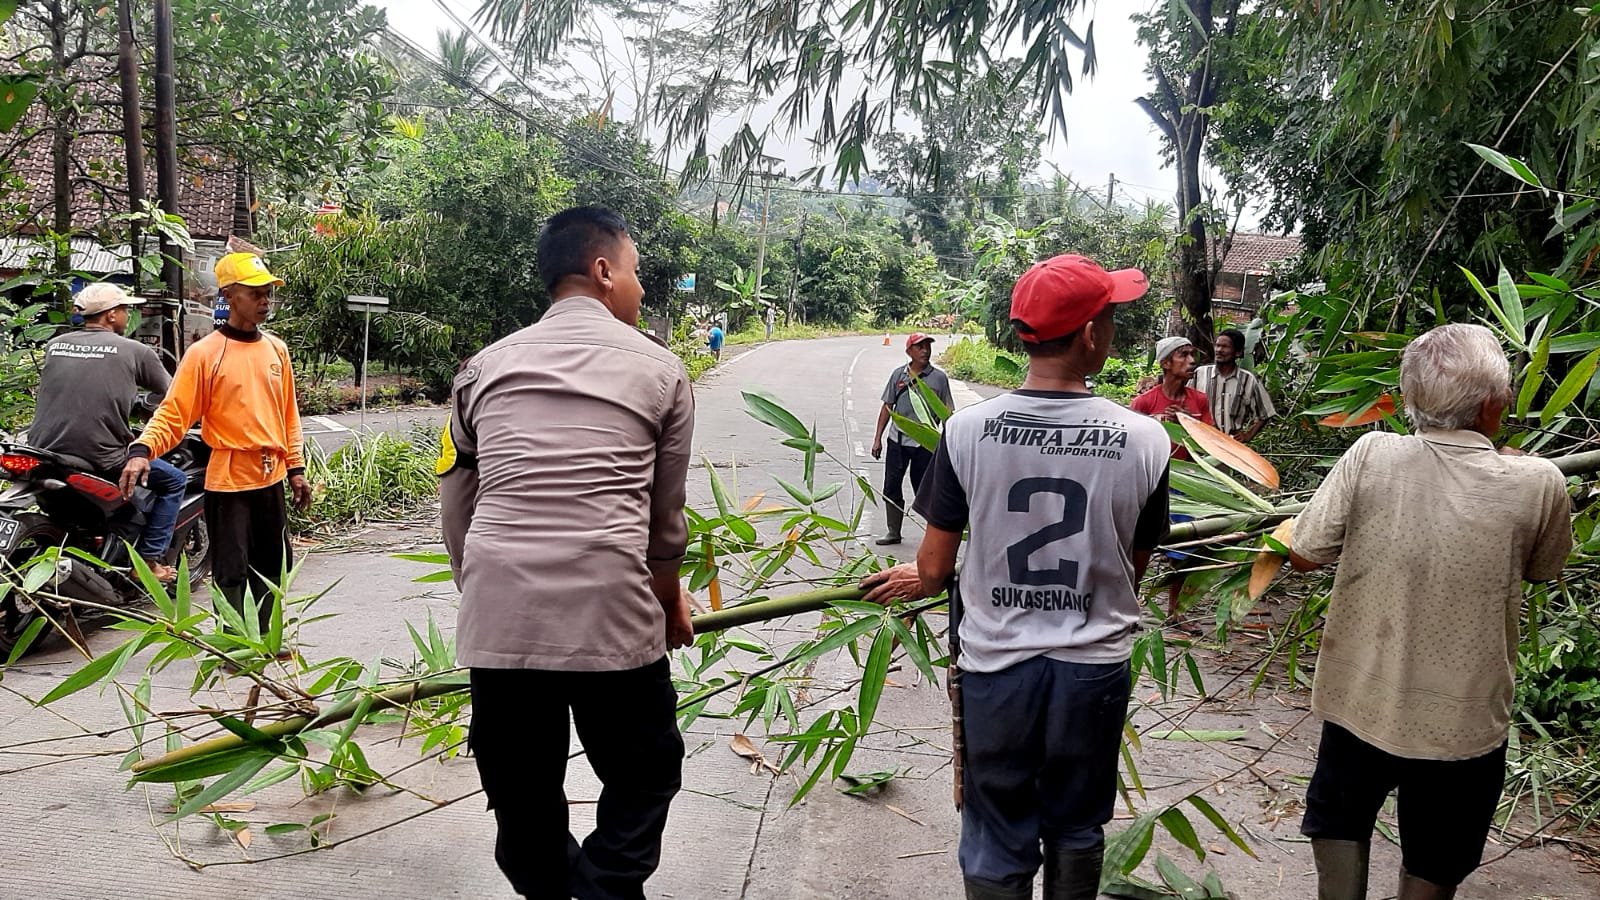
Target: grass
x,y
975,359
374,476
755,332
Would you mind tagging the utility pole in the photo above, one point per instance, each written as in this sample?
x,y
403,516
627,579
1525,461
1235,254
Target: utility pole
x,y
1111,192
794,276
167,179
761,249
132,130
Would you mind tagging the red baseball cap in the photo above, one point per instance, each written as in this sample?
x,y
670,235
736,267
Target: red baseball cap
x,y
1060,295
916,338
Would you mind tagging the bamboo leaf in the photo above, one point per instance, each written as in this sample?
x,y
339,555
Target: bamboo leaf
x,y
25,640
1126,849
1199,735
1572,385
1175,879
926,437
201,767
1269,562
1230,452
873,677
1216,819
1516,168
1576,343
101,667
1533,377
1177,824
247,769
1384,406
1511,302
725,507
766,409
1510,333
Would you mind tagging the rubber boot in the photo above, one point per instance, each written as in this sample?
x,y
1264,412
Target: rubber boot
x,y
988,890
1073,874
1414,888
1341,868
896,517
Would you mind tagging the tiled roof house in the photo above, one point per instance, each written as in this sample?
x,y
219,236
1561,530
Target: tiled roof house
x,y
1243,280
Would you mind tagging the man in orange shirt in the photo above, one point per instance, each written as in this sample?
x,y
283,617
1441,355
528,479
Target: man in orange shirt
x,y
238,382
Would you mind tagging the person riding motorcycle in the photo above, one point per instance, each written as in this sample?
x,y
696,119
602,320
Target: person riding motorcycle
x,y
87,389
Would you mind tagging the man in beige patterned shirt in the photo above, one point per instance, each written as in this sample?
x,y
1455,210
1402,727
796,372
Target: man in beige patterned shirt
x,y
1434,534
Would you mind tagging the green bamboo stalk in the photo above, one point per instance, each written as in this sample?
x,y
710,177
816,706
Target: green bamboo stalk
x,y
776,608
401,696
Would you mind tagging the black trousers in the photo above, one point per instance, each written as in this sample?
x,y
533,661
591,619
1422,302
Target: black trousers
x,y
897,459
627,723
1445,807
249,544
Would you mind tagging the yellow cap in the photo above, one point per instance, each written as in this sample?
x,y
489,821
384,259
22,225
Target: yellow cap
x,y
244,268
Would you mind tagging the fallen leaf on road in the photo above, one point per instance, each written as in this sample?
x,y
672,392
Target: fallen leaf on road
x,y
900,812
243,837
240,807
743,748
755,501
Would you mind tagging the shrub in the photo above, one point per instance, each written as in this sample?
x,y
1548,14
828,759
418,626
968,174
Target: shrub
x,y
373,476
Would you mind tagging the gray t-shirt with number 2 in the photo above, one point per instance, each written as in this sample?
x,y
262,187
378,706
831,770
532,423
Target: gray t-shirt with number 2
x,y
1058,489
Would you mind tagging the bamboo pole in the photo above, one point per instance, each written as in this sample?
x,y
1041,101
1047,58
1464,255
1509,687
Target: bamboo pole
x,y
727,617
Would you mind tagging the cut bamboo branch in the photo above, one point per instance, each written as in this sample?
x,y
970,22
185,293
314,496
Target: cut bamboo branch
x,y
728,617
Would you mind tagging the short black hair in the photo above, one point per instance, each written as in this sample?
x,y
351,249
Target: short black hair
x,y
572,239
1053,347
1237,337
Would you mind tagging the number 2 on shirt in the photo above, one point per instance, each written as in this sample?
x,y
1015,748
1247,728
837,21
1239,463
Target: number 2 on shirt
x,y
1073,515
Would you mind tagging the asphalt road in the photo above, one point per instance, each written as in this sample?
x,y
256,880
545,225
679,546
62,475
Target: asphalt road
x,y
71,829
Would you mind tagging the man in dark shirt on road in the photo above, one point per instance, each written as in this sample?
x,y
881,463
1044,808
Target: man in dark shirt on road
x,y
904,452
86,393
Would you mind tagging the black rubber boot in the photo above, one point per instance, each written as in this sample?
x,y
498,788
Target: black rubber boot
x,y
1414,888
988,890
1073,874
896,517
1341,868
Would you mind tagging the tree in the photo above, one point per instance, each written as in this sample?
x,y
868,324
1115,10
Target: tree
x,y
1369,155
842,278
285,90
466,64
1188,43
966,162
799,54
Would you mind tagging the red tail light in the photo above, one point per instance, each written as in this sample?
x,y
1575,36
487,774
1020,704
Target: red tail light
x,y
18,465
98,488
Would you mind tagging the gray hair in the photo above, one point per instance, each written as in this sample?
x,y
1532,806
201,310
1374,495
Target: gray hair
x,y
1447,374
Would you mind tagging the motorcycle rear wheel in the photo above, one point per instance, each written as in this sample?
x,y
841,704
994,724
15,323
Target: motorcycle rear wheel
x,y
17,611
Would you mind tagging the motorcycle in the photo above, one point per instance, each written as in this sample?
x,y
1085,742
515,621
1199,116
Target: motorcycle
x,y
56,500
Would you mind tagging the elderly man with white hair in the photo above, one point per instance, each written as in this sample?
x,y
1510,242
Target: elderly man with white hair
x,y
86,393
1434,534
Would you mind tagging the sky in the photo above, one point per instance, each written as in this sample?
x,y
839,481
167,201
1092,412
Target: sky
x,y
1107,134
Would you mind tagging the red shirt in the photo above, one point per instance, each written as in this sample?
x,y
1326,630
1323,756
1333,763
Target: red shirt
x,y
1155,403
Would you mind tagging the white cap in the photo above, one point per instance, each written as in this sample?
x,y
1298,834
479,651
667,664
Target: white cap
x,y
102,296
1170,345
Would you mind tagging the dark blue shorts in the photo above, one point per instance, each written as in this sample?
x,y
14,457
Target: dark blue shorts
x,y
1040,765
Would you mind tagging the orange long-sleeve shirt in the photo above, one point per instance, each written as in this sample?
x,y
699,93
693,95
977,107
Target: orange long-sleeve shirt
x,y
242,391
